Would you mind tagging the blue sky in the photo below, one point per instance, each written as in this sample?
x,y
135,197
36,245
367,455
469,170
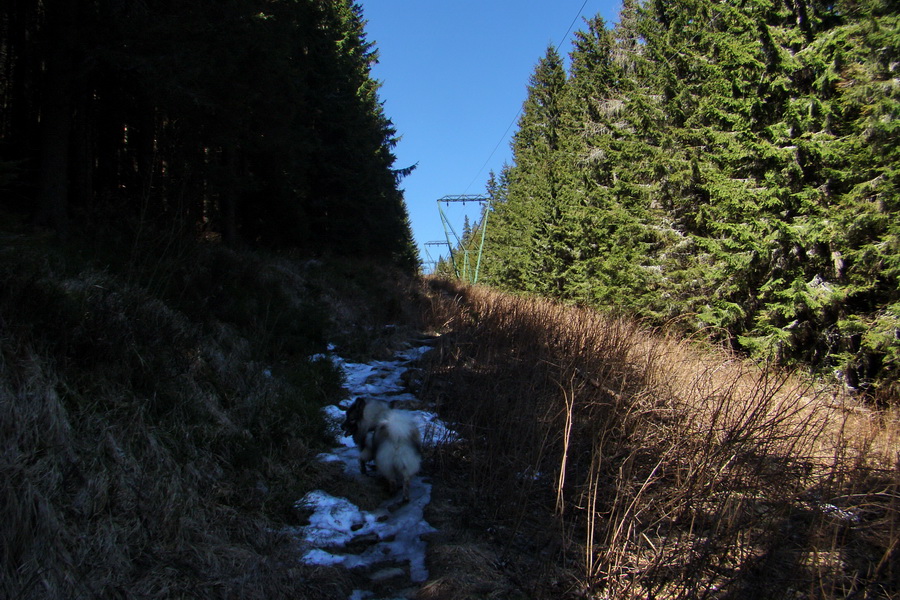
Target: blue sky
x,y
454,76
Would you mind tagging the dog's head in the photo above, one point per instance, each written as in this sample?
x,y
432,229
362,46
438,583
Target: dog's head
x,y
354,415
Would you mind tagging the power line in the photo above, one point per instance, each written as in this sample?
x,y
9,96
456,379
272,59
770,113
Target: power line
x,y
519,112
491,155
572,24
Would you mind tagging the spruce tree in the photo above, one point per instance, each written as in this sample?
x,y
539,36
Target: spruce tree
x,y
728,164
526,220
608,203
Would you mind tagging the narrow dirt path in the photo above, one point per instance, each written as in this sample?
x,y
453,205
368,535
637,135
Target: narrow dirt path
x,y
357,525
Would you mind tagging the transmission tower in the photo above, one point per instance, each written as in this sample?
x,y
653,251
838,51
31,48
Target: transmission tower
x,y
461,264
431,260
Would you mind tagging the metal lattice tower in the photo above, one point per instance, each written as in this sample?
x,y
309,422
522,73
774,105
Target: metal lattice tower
x,y
461,265
431,260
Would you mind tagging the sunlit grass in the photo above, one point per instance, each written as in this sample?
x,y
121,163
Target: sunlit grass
x,y
664,468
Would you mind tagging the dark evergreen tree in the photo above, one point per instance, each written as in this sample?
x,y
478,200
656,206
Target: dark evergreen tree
x,y
256,120
528,216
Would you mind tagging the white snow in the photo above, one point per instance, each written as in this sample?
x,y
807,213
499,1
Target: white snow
x,y
391,533
435,431
336,522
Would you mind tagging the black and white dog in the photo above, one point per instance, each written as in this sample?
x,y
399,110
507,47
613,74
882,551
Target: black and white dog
x,y
390,437
362,417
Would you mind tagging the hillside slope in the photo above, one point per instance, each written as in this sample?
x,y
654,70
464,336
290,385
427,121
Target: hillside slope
x,y
603,459
160,416
159,413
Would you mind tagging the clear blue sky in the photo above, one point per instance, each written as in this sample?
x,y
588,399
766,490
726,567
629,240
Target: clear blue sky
x,y
454,76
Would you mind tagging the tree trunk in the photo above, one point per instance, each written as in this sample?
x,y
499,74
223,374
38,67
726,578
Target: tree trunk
x,y
56,116
229,199
81,189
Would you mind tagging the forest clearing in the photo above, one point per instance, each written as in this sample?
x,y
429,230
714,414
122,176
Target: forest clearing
x,y
678,377
593,457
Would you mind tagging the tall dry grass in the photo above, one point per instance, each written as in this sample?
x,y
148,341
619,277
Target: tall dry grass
x,y
157,427
652,467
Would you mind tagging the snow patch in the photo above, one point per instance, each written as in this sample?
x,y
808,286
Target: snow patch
x,y
336,522
339,532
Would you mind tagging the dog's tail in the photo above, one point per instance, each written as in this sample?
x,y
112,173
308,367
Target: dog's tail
x,y
399,427
399,449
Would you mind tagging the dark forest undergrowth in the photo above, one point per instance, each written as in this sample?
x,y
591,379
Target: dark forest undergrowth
x,y
159,411
602,459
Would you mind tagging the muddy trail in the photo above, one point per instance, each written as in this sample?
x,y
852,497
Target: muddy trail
x,y
357,525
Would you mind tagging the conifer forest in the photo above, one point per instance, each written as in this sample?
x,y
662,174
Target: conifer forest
x,y
725,167
722,167
252,121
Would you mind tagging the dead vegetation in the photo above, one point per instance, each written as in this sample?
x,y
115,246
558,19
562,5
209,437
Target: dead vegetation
x,y
160,417
605,460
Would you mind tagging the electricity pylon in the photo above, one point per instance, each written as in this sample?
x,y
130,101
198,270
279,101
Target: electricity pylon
x,y
431,260
462,267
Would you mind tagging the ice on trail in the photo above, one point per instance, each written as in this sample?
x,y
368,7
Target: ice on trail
x,y
336,522
391,533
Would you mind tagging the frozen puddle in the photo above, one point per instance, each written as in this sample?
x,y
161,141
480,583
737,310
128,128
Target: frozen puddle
x,y
388,540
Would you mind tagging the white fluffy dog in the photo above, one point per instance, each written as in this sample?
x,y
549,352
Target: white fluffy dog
x,y
397,446
391,437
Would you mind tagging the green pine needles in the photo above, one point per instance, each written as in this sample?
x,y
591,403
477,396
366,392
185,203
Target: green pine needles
x,y
729,166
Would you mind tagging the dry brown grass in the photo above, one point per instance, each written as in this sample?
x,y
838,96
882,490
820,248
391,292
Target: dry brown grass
x,y
154,438
654,467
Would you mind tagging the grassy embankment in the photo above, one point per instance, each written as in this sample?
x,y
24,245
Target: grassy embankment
x,y
159,413
602,459
159,416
